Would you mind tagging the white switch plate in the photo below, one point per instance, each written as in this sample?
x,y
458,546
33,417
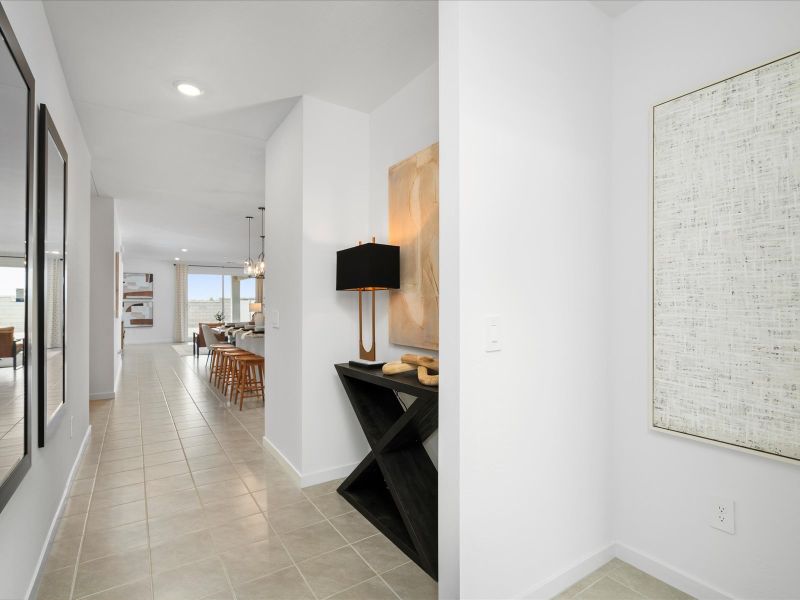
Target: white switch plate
x,y
723,516
275,317
492,333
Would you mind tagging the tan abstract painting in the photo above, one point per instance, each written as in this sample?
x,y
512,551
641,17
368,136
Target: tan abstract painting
x,y
414,226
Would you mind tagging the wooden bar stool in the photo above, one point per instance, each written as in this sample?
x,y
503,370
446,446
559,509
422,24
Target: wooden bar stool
x,y
249,380
228,374
218,364
215,349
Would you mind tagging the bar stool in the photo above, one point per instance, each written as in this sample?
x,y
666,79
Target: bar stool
x,y
215,354
249,381
228,373
218,364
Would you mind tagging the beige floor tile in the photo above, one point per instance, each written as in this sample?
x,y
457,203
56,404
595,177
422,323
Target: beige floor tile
x,y
114,516
371,589
411,583
283,585
97,544
181,550
580,585
171,503
158,487
608,589
159,447
71,526
170,469
77,505
81,487
221,490
242,531
194,432
160,458
645,584
255,483
353,526
63,553
107,482
115,496
111,571
246,563
335,571
166,528
332,505
198,440
117,466
230,509
215,475
138,590
56,585
195,580
322,488
380,553
203,450
294,516
311,541
199,463
122,453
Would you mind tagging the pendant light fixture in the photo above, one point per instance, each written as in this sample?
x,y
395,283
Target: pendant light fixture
x,y
260,265
249,268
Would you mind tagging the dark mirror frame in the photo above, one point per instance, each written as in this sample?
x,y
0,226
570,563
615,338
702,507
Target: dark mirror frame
x,y
47,132
12,481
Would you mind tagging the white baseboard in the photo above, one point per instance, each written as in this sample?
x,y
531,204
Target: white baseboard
x,y
669,574
561,581
287,465
34,584
306,479
666,573
102,396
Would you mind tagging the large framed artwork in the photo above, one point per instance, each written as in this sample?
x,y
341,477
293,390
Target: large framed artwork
x,y
137,286
414,226
137,313
726,262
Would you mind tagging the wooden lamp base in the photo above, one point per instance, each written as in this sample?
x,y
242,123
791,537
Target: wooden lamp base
x,y
366,358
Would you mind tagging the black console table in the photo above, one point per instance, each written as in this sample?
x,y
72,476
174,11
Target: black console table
x,y
396,485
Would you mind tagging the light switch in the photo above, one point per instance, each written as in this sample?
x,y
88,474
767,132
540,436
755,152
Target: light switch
x,y
492,333
275,317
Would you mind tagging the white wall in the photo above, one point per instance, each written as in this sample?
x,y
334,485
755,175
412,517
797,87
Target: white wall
x,y
105,325
26,519
163,329
531,189
317,176
662,485
283,287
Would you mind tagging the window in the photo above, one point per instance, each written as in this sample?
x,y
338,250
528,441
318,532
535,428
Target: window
x,y
214,293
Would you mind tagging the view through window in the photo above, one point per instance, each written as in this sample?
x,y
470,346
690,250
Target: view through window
x,y
217,294
12,299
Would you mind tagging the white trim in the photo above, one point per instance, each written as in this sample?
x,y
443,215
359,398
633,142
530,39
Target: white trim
x,y
558,583
287,465
305,480
102,396
669,574
165,341
34,584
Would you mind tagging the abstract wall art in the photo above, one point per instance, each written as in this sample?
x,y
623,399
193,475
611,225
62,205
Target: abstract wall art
x,y
137,313
414,226
726,261
137,286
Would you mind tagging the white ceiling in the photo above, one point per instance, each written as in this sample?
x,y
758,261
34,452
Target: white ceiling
x,y
186,171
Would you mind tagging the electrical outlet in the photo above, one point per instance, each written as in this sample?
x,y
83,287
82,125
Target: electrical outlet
x,y
723,516
492,333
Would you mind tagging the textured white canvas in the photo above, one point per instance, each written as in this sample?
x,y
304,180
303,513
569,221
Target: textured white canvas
x,y
726,261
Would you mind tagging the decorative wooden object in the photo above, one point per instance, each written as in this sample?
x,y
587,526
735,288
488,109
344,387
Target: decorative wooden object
x,y
423,365
414,226
395,486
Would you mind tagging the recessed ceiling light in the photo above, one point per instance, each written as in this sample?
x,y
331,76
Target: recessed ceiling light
x,y
188,89
184,250
176,258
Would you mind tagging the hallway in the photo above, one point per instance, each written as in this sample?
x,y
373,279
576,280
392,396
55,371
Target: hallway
x,y
176,500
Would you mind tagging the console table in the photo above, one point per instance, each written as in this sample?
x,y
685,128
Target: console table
x,y
396,485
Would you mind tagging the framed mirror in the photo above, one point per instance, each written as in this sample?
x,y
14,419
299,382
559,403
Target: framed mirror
x,y
16,272
51,219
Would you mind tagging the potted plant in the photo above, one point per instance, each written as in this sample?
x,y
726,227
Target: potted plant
x,y
220,317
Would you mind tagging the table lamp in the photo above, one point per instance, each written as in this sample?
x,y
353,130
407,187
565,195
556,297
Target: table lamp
x,y
367,268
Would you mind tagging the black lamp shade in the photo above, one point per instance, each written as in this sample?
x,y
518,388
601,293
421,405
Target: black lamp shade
x,y
368,266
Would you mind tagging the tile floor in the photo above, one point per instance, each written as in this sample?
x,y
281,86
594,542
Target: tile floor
x,y
176,500
617,580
